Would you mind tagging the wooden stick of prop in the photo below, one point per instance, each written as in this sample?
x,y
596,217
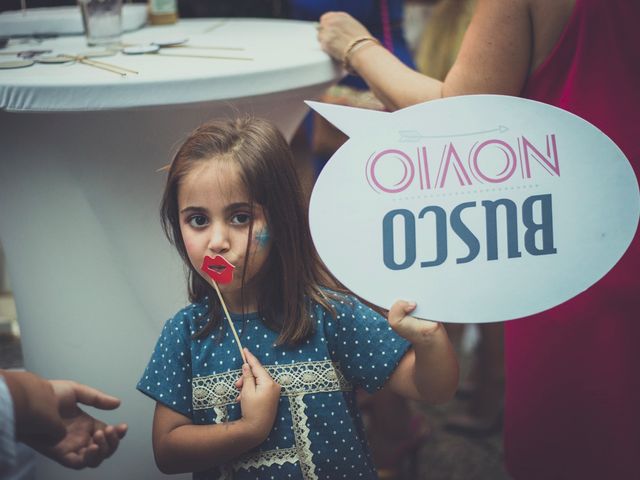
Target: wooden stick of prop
x,y
97,64
215,26
118,67
226,312
215,57
224,275
204,47
101,66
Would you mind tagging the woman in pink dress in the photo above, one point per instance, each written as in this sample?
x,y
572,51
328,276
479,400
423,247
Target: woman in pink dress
x,y
572,386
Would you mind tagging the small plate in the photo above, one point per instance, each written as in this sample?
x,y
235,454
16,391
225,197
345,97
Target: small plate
x,y
52,59
97,53
170,42
140,49
16,64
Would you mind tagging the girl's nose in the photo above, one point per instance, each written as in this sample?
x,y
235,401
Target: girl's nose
x,y
218,241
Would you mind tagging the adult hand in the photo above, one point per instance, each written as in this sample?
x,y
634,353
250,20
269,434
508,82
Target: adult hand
x,y
35,408
87,440
415,330
259,396
337,30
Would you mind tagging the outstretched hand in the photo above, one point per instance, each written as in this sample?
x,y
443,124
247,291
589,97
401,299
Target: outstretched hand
x,y
87,440
415,330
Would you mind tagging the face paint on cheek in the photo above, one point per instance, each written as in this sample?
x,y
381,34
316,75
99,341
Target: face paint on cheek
x,y
262,237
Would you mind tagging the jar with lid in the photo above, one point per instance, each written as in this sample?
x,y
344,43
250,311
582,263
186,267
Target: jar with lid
x,y
163,12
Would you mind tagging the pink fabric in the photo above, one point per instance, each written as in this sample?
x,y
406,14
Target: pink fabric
x,y
573,373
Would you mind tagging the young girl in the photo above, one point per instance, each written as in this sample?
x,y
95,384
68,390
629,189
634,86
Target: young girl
x,y
289,411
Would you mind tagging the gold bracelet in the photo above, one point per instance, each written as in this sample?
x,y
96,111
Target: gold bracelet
x,y
351,48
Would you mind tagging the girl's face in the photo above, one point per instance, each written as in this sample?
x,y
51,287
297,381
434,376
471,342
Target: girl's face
x,y
215,216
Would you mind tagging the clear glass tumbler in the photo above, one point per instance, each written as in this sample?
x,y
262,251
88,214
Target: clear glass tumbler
x,y
102,20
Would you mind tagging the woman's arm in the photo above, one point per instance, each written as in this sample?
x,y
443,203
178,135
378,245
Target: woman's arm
x,y
495,56
429,371
179,446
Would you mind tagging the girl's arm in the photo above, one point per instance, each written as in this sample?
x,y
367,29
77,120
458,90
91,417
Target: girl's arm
x,y
495,56
179,446
428,371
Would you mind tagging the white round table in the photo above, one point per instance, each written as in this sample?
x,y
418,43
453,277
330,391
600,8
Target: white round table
x,y
93,276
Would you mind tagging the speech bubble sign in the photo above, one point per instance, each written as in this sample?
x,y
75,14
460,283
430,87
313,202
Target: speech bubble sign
x,y
480,208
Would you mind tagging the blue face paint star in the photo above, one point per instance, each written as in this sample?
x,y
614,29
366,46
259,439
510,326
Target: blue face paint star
x,y
262,237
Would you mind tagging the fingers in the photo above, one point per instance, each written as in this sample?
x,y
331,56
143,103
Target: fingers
x,y
75,460
112,433
103,444
82,449
94,397
239,384
399,310
112,440
93,455
256,367
259,373
121,430
247,376
417,331
325,16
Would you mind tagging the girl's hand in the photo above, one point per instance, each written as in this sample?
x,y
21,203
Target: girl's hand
x,y
337,30
429,370
259,397
418,332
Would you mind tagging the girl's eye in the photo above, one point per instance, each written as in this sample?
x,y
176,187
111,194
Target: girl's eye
x,y
197,221
241,219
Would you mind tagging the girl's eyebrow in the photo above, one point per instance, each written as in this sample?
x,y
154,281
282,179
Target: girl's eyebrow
x,y
237,205
229,208
192,209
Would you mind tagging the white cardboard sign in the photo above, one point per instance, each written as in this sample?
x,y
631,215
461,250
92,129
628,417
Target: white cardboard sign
x,y
479,208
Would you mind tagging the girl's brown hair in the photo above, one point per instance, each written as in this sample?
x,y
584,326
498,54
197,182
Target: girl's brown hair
x,y
293,273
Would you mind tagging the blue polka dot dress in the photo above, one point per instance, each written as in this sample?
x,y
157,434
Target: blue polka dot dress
x,y
318,433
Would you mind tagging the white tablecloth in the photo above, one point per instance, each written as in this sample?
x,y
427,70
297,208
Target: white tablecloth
x,y
285,55
93,276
